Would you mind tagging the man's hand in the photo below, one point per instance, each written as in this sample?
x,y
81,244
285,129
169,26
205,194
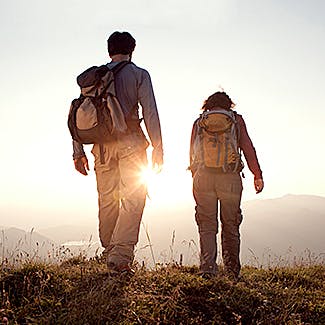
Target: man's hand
x,y
259,185
157,160
81,165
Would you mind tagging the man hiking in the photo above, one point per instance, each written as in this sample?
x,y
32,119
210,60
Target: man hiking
x,y
118,164
218,137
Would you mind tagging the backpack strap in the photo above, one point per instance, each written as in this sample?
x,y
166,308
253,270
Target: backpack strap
x,y
240,163
119,66
128,116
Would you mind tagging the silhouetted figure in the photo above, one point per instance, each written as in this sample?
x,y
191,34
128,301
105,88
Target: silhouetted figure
x,y
121,195
218,137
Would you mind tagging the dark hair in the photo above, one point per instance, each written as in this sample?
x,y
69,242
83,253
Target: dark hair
x,y
218,99
120,43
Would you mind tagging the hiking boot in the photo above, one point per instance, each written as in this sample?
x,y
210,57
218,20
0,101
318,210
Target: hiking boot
x,y
127,271
123,269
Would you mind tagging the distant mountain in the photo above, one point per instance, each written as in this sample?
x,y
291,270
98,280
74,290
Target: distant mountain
x,y
68,233
75,238
19,244
288,227
273,231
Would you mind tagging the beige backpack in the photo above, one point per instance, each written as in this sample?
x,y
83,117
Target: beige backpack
x,y
217,141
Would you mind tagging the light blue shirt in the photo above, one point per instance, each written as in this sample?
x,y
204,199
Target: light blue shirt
x,y
133,87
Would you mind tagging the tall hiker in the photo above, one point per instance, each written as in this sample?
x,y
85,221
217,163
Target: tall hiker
x,y
119,161
218,137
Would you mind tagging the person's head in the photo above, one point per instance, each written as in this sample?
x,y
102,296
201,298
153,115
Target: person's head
x,y
120,43
218,100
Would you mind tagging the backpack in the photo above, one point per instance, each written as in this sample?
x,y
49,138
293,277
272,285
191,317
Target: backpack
x,y
217,142
96,116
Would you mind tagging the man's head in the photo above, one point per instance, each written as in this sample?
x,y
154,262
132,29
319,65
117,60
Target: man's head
x,y
218,99
120,43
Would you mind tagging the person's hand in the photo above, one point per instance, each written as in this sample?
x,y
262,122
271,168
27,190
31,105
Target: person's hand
x,y
259,185
81,165
157,160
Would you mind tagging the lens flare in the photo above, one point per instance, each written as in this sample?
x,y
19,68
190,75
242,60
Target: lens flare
x,y
147,176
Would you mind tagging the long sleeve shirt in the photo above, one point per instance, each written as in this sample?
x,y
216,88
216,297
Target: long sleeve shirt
x,y
133,87
245,144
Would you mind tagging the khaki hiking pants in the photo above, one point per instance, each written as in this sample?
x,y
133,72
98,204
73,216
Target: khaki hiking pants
x,y
121,196
209,189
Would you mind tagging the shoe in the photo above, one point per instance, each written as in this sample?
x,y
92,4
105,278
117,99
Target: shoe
x,y
123,269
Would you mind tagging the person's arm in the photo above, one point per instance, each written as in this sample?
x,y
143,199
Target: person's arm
x,y
249,151
151,118
79,158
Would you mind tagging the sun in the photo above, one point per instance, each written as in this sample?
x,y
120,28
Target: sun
x,y
170,184
149,177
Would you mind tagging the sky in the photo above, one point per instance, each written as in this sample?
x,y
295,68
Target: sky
x,y
267,55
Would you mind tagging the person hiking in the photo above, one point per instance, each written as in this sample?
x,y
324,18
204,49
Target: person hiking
x,y
118,164
218,137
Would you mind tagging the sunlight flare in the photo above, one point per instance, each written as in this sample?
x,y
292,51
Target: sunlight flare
x,y
169,184
147,175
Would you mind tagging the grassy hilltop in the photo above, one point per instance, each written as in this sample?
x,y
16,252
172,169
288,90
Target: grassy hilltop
x,y
80,291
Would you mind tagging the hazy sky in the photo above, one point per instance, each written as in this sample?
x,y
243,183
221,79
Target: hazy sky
x,y
267,55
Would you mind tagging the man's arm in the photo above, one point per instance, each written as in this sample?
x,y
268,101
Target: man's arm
x,y
79,158
151,119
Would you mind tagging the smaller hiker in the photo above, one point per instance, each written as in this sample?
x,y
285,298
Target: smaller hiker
x,y
218,137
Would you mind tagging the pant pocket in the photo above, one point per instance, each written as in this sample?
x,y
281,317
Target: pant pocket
x,y
236,186
131,144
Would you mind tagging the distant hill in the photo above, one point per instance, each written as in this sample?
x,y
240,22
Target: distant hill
x,y
291,225
274,231
77,238
19,244
67,233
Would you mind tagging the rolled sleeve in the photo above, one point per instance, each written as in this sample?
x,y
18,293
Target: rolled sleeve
x,y
78,150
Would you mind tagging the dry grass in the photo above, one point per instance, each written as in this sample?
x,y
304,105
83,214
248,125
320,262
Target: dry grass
x,y
80,291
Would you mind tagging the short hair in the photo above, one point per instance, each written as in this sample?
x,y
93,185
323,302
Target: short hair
x,y
218,99
120,43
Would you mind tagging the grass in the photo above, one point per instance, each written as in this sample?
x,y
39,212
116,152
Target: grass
x,y
80,291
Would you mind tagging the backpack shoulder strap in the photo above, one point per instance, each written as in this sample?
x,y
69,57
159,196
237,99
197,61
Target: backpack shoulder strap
x,y
118,67
237,125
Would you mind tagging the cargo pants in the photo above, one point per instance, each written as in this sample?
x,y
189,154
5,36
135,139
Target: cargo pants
x,y
121,196
209,189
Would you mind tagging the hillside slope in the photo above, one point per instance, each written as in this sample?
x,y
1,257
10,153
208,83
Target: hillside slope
x,y
82,292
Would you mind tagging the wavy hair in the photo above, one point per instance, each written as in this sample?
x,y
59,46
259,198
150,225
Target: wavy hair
x,y
218,99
